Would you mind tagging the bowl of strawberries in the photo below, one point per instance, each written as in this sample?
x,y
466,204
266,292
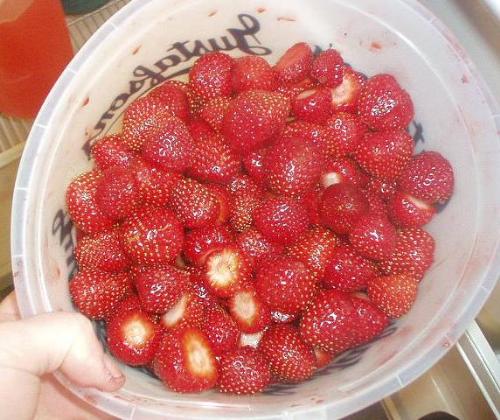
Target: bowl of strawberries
x,y
275,210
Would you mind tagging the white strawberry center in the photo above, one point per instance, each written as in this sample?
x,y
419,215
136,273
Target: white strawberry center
x,y
330,178
419,203
341,94
136,332
223,268
306,94
175,314
245,305
199,357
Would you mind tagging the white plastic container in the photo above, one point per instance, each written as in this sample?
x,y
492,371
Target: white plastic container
x,y
150,40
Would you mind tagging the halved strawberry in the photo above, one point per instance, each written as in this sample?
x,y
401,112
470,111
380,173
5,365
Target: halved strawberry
x,y
111,151
225,201
189,310
185,361
328,68
221,330
96,293
253,72
255,246
314,134
408,211
198,243
173,95
313,105
345,96
295,64
213,112
249,311
243,371
373,236
254,165
341,170
210,75
290,358
323,358
346,131
394,294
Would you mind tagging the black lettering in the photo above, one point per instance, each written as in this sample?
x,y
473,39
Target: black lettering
x,y
166,62
250,27
227,46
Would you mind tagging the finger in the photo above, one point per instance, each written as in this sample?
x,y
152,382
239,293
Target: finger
x,y
8,307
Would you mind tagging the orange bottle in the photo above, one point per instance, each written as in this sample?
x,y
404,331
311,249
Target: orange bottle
x,y
34,49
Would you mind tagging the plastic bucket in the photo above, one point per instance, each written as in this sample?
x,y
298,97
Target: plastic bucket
x,y
149,41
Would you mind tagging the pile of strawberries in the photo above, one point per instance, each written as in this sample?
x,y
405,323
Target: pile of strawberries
x,y
250,225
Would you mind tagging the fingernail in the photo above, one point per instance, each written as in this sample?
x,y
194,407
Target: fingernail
x,y
115,373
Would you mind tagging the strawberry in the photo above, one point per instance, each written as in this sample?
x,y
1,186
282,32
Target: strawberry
x,y
243,183
345,96
313,105
199,130
131,302
214,161
224,200
346,132
210,75
394,294
250,340
373,236
159,289
314,134
341,207
169,146
196,103
323,358
428,177
152,235
117,193
226,269
200,242
281,219
244,202
111,151
383,189
285,284
336,321
133,337
254,165
255,246
341,170
295,64
243,371
185,361
213,112
347,270
292,90
375,202
102,251
328,68
193,204
385,154
173,96
253,72
292,167
281,318
253,118
249,311
314,248
96,293
384,105
414,253
407,211
311,201
189,310
221,330
82,204
291,360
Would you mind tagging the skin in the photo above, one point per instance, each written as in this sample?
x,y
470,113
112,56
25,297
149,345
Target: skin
x,y
32,349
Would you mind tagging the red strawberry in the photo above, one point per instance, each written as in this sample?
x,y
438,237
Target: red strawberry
x,y
225,201
243,371
131,302
152,236
102,251
213,112
245,201
185,361
341,207
159,289
375,202
314,134
133,337
243,183
221,330
292,167
383,104
253,72
170,145
295,64
408,211
117,193
285,284
200,242
291,91
385,154
253,118
345,96
328,68
199,130
214,161
193,204
196,104
414,253
340,171
311,201
429,177
281,318
281,219
314,248
82,204
373,236
254,165
111,151
346,132
323,358
394,294
255,246
96,293
348,271
200,289
210,75
173,95
314,105
189,310
291,359
336,321
226,270
249,311
382,188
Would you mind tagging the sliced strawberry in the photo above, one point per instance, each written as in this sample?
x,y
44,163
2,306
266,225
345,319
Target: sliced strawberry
x,y
281,318
189,310
328,68
428,177
96,293
295,64
384,105
185,361
394,294
345,96
346,131
314,105
253,72
382,188
152,235
323,358
249,311
253,118
407,211
341,171
173,95
111,151
254,165
373,236
210,75
291,359
221,330
200,242
314,134
255,246
213,112
225,201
